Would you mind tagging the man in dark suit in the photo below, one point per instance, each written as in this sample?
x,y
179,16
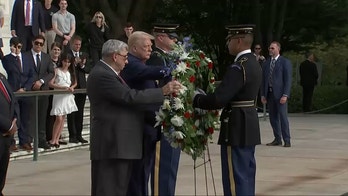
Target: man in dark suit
x,y
240,131
21,79
44,72
309,77
140,76
75,119
117,119
27,21
275,91
166,159
9,121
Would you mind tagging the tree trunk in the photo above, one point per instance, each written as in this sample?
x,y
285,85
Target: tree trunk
x,y
257,19
271,21
282,14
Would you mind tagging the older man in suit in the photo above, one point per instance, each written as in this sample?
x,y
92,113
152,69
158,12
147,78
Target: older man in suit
x,y
44,72
8,126
27,21
117,120
21,79
275,91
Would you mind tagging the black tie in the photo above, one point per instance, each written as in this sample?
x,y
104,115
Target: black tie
x,y
38,61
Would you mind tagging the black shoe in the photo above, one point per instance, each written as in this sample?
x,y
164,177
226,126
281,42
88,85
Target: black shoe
x,y
274,143
63,142
44,145
73,140
287,144
80,139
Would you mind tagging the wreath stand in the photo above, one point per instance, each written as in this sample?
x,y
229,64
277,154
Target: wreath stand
x,y
204,164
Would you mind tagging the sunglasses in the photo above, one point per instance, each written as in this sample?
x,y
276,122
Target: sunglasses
x,y
37,43
99,17
18,47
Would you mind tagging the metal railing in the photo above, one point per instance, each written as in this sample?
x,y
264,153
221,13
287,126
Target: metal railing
x,y
37,94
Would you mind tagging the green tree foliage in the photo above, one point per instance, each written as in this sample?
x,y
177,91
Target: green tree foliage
x,y
299,25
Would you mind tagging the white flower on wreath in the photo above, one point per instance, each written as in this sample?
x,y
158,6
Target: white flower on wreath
x,y
197,123
160,116
178,104
181,68
166,104
183,89
177,121
184,56
178,134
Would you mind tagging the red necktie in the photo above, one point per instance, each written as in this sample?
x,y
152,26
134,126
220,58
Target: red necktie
x,y
123,82
4,91
27,14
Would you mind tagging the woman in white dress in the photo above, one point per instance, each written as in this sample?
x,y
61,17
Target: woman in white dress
x,y
62,104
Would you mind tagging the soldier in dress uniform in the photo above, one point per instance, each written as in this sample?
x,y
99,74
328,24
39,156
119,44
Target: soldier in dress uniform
x,y
240,130
166,159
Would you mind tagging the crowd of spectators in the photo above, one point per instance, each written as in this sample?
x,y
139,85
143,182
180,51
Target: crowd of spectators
x,y
41,34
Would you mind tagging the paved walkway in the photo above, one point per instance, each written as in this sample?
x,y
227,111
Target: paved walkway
x,y
316,164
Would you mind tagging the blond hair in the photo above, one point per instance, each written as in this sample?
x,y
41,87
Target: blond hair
x,y
138,36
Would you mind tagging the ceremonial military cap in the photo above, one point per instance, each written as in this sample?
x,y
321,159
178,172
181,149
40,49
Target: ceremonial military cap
x,y
169,29
234,30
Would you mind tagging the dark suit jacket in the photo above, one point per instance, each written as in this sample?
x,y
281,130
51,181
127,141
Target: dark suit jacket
x,y
81,72
44,72
308,73
16,77
140,76
8,111
116,120
18,18
282,77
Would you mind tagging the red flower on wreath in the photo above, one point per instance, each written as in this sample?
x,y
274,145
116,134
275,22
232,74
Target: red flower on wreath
x,y
187,115
192,79
210,65
210,130
212,80
201,55
198,63
188,64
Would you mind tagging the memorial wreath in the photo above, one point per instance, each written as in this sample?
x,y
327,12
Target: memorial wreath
x,y
184,126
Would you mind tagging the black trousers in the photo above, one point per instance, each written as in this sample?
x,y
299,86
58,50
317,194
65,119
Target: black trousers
x,y
110,176
50,119
95,55
307,93
26,37
42,116
4,159
75,119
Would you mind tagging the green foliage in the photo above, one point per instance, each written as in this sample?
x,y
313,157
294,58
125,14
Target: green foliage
x,y
324,99
332,60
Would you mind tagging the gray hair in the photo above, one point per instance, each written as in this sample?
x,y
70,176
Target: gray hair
x,y
111,46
